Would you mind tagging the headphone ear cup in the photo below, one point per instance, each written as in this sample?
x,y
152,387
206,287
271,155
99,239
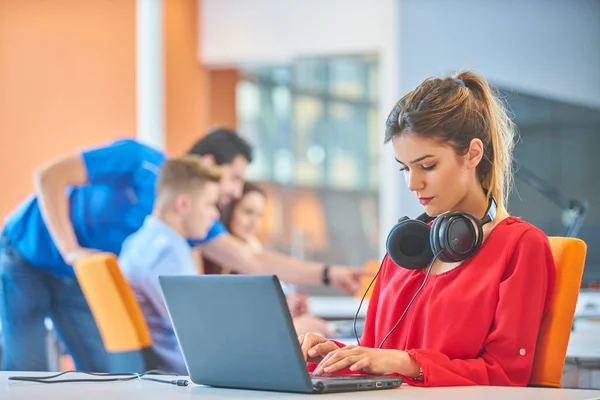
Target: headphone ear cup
x,y
437,238
470,233
456,237
408,244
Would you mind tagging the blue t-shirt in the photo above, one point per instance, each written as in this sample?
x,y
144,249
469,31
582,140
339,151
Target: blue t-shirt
x,y
113,205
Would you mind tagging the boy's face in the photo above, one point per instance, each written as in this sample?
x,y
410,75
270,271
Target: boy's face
x,y
202,211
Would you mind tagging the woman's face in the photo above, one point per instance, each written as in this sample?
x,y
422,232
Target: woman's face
x,y
247,215
436,175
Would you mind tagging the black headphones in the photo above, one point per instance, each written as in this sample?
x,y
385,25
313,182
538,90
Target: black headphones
x,y
453,237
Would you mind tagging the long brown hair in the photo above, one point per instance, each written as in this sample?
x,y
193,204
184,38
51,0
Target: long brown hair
x,y
211,267
455,110
227,211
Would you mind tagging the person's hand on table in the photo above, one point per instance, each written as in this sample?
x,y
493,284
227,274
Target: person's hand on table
x,y
307,323
347,279
298,303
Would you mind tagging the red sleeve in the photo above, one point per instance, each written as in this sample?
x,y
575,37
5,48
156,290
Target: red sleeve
x,y
507,355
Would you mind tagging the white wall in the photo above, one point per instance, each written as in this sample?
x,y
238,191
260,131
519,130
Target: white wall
x,y
243,31
540,47
548,48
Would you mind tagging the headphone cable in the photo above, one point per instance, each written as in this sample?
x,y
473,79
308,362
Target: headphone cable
x,y
411,300
363,298
405,310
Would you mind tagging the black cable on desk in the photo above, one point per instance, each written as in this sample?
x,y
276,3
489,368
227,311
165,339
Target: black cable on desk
x,y
108,377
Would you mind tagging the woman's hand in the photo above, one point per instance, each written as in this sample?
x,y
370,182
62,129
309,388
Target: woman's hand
x,y
372,361
315,347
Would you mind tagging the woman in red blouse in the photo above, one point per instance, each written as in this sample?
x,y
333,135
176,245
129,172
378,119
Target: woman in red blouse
x,y
474,322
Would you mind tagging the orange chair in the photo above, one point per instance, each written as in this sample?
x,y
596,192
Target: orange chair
x,y
121,323
549,360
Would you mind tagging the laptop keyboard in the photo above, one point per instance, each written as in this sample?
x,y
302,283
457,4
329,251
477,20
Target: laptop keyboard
x,y
339,377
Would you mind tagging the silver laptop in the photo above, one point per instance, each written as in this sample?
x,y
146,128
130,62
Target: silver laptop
x,y
235,331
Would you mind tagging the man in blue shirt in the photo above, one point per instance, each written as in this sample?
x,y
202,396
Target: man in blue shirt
x,y
187,192
92,201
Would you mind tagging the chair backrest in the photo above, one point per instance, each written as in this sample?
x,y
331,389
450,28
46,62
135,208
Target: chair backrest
x,y
569,258
119,318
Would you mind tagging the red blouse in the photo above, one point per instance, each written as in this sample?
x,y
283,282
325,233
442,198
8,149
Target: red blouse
x,y
476,324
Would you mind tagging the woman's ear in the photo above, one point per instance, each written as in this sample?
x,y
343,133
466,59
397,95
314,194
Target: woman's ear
x,y
474,154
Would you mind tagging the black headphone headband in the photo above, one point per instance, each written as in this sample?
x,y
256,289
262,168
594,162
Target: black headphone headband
x,y
490,213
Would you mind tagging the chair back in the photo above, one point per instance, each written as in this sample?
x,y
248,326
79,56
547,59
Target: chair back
x,y
553,339
119,318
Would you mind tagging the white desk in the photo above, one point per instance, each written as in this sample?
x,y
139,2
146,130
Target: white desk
x,y
582,367
343,307
584,348
144,390
588,305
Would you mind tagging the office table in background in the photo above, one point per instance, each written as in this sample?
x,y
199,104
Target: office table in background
x,y
332,308
582,367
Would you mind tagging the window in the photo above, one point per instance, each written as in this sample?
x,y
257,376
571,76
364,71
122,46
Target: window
x,y
314,126
314,122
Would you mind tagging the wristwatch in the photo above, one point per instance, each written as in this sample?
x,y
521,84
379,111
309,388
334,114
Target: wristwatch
x,y
325,276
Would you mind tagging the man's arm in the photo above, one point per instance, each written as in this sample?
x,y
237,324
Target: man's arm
x,y
235,254
120,158
51,183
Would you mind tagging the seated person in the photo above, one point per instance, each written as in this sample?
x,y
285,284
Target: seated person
x,y
187,193
451,322
242,219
